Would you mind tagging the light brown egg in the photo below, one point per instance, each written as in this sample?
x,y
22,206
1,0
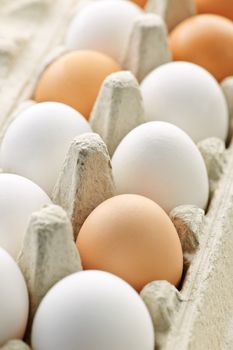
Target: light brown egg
x,y
206,40
218,7
75,79
141,3
133,238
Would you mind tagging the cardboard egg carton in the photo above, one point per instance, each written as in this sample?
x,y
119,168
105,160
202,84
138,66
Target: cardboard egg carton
x,y
196,316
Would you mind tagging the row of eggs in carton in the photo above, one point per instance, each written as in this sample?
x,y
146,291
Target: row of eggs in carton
x,y
127,235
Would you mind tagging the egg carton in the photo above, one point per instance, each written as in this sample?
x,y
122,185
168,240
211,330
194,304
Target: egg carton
x,y
196,316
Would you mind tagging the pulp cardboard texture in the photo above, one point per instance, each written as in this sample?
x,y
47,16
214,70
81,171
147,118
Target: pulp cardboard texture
x,y
198,316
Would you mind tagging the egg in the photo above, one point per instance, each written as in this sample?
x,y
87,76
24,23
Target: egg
x,y
218,7
160,161
103,26
75,79
92,310
141,3
19,198
14,302
132,237
36,143
186,95
206,40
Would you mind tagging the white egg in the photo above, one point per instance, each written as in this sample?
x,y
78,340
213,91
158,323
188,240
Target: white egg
x,y
188,96
19,198
92,310
13,300
103,26
36,143
161,162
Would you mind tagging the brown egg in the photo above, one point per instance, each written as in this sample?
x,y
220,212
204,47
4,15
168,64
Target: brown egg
x,y
133,238
141,3
206,40
218,7
75,79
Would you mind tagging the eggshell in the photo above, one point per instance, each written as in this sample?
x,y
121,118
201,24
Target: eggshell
x,y
13,300
206,40
19,198
103,26
218,7
36,143
186,95
92,310
140,3
160,161
75,79
133,238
